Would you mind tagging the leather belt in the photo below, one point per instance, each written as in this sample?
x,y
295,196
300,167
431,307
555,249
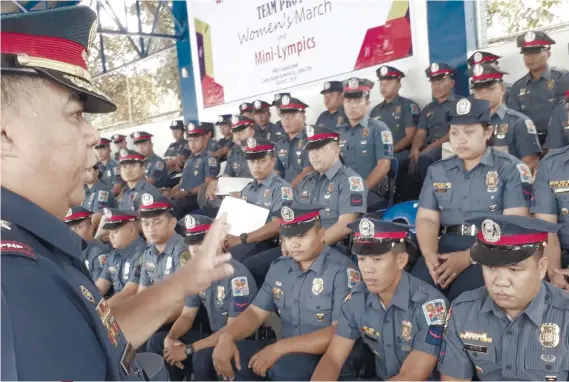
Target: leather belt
x,y
461,229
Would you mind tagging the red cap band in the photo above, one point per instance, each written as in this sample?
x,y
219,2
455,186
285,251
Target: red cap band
x,y
318,137
486,59
441,71
132,157
196,131
156,206
292,106
78,215
300,219
51,48
524,44
488,76
242,123
531,238
199,228
385,235
259,148
142,138
120,218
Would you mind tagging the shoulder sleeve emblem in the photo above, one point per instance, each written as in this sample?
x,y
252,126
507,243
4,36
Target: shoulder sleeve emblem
x,y
415,109
212,162
435,312
240,286
103,196
184,257
353,277
286,193
356,184
159,165
530,126
386,137
525,173
116,170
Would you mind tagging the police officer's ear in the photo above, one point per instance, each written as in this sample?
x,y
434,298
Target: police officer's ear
x,y
488,132
172,222
542,262
401,256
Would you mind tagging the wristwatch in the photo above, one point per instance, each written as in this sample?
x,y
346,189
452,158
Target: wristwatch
x,y
243,238
189,350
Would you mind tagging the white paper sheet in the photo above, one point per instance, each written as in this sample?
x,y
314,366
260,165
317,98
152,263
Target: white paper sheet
x,y
242,216
227,185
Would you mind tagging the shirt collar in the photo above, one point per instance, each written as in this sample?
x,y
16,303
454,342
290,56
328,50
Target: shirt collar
x,y
131,247
318,265
41,223
364,122
267,181
487,160
501,112
545,75
400,298
139,184
394,102
332,171
533,311
169,248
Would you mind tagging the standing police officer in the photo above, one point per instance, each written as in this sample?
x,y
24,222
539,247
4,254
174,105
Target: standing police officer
x,y
226,142
246,109
179,146
120,143
481,57
265,128
128,247
477,180
550,202
537,93
132,172
268,191
307,288
223,300
290,145
400,114
156,169
45,88
514,132
513,328
334,116
366,144
110,171
558,128
399,317
95,254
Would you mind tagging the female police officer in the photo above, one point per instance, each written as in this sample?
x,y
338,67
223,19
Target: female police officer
x,y
478,179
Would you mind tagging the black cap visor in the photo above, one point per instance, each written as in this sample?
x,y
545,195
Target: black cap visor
x,y
484,84
355,94
297,228
501,256
194,238
372,248
315,145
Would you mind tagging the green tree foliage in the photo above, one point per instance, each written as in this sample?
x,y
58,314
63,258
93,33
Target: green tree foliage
x,y
139,89
518,15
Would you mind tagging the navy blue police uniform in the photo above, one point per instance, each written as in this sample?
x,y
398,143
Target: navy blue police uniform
x,y
224,119
270,132
481,341
537,97
332,120
44,279
129,194
118,138
558,128
154,165
179,147
499,182
98,195
110,172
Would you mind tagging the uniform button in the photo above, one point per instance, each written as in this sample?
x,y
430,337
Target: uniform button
x,y
548,367
508,367
387,321
389,346
509,332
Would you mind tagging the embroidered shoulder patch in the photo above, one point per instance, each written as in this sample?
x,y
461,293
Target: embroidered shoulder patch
x,y
240,286
530,126
435,312
353,277
103,196
286,193
159,165
356,184
17,248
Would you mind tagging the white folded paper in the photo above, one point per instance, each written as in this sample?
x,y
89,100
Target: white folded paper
x,y
227,185
242,217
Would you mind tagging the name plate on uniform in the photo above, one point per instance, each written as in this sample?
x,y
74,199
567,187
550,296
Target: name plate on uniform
x,y
227,185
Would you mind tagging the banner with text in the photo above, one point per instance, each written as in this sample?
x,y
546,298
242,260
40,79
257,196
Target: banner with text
x,y
251,47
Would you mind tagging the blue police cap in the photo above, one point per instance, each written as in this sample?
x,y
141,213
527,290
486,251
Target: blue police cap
x,y
224,119
195,129
246,107
504,240
438,70
195,227
319,136
54,43
357,87
332,86
534,41
130,156
484,75
152,203
389,72
116,218
177,125
374,237
480,57
291,105
257,148
76,215
298,218
140,136
259,105
102,143
240,122
118,138
470,111
278,96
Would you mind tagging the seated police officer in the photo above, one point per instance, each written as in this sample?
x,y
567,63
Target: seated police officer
x,y
550,202
133,173
223,300
177,152
226,142
514,132
515,327
265,128
336,188
110,171
120,143
128,247
334,116
156,169
558,128
268,191
95,255
477,180
98,195
307,288
200,169
366,144
399,317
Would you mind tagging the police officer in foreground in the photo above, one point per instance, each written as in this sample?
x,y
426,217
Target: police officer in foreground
x,y
366,144
307,288
200,169
400,114
226,142
334,116
156,169
290,146
558,128
110,171
399,317
268,191
514,132
133,173
513,328
477,180
43,275
550,202
223,300
128,247
120,143
538,92
95,254
265,128
432,130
